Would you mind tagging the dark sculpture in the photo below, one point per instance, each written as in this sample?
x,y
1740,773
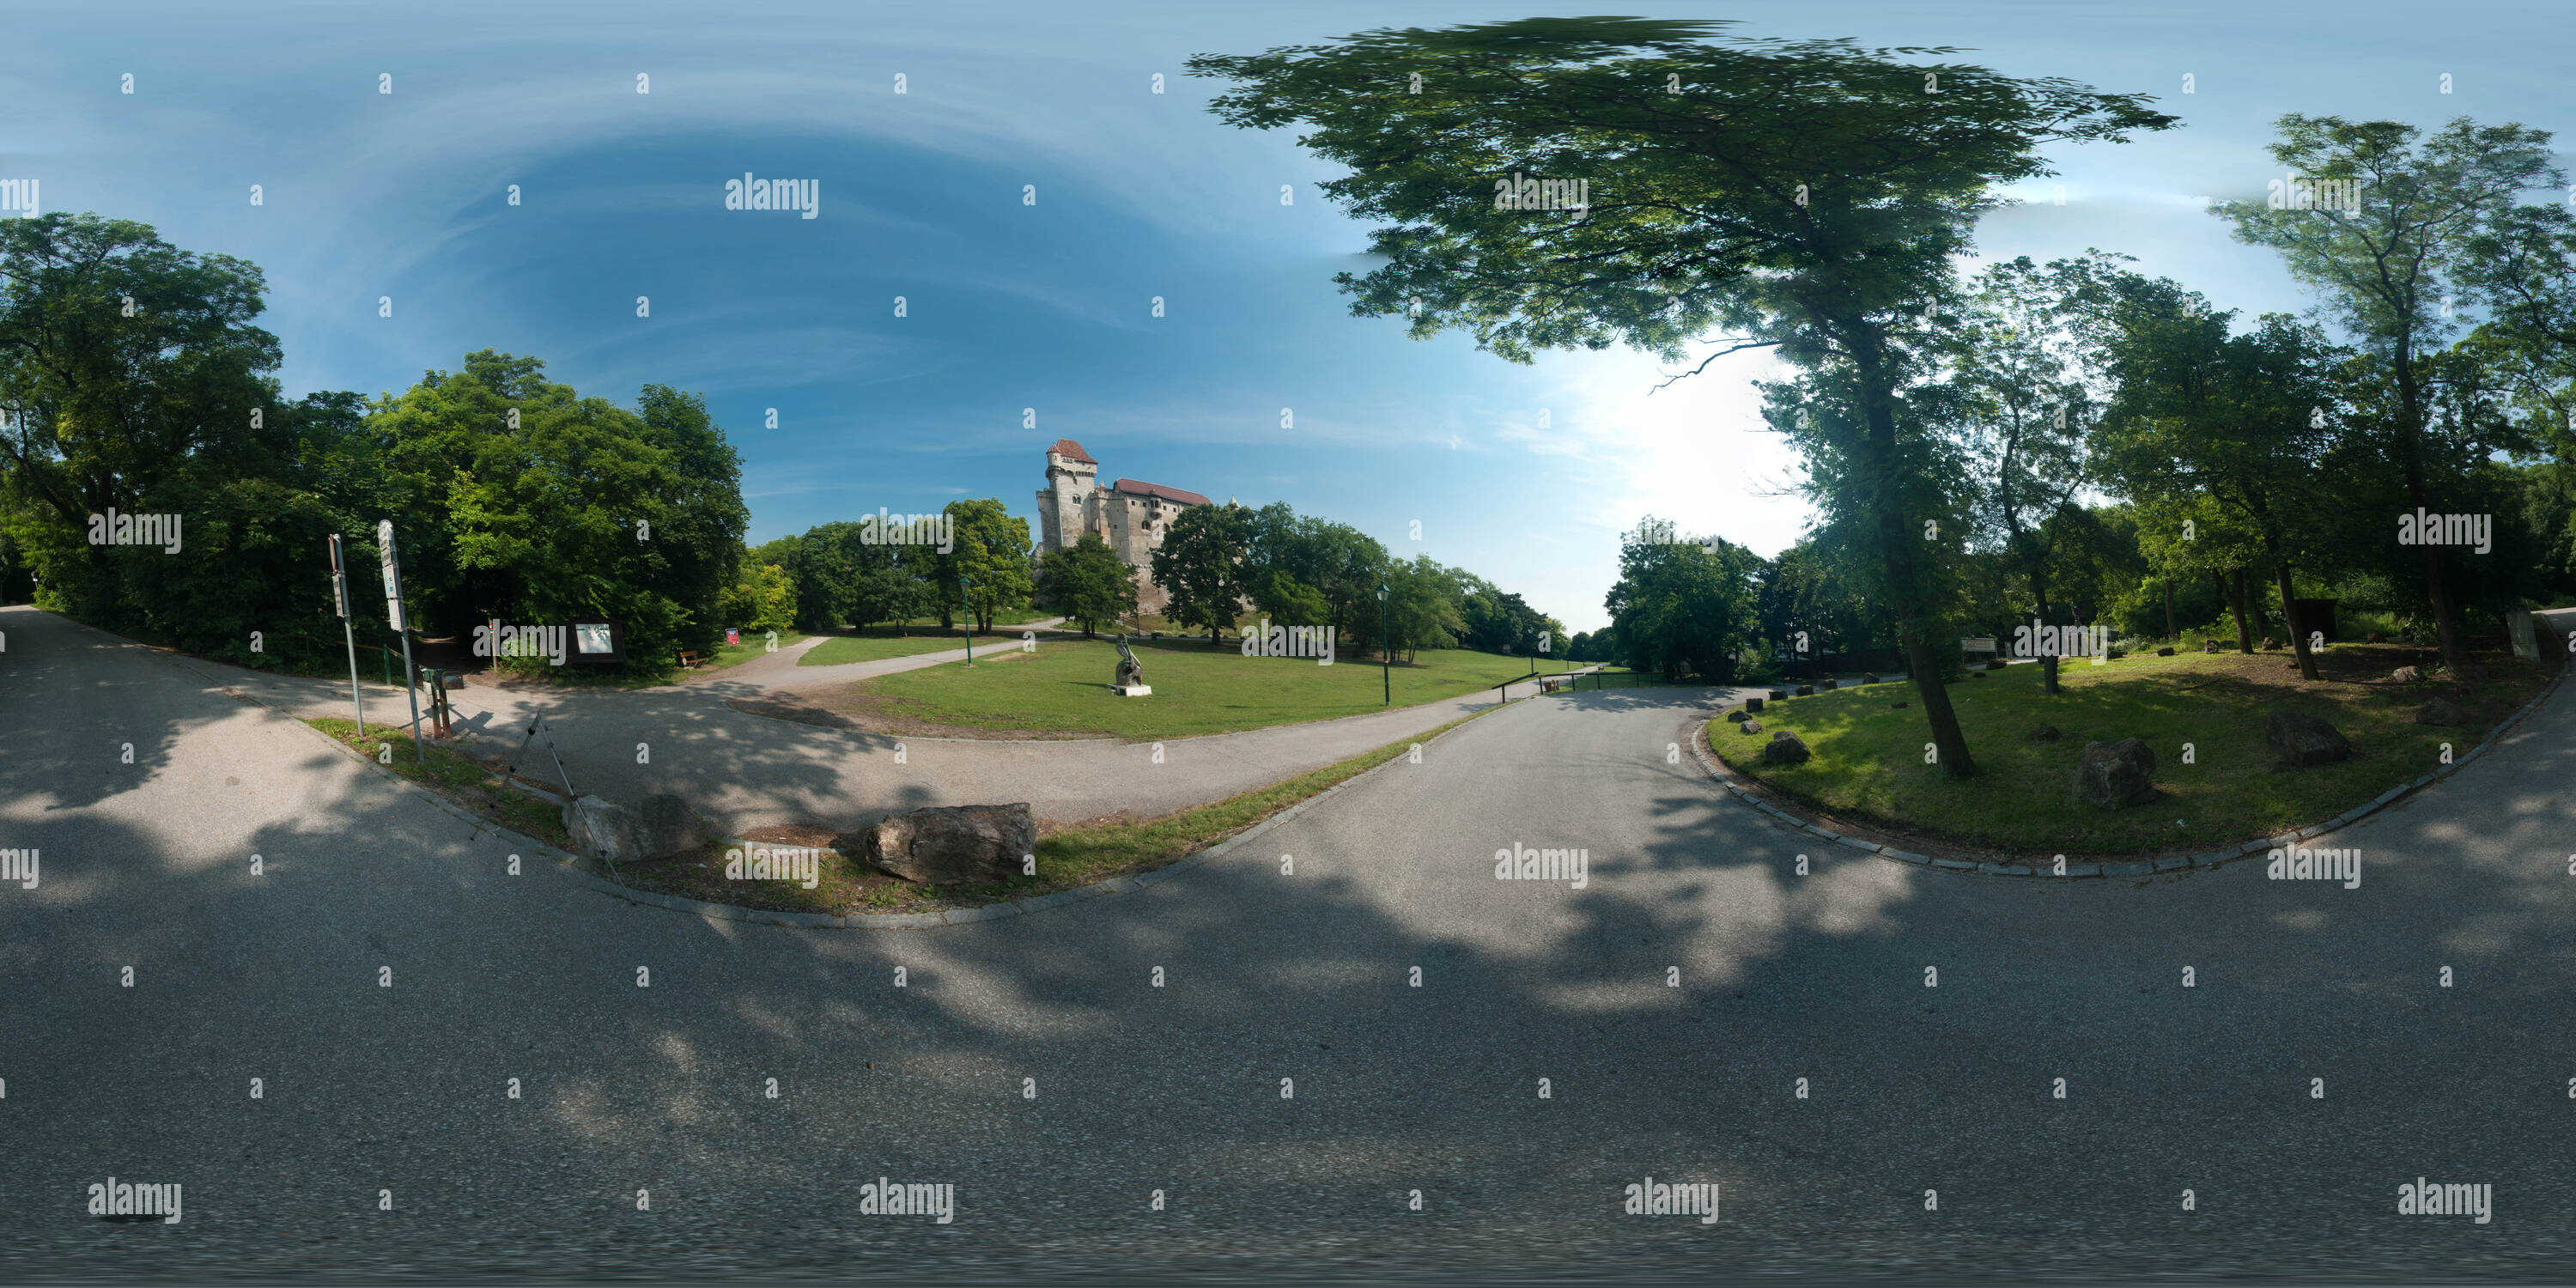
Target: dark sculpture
x,y
1130,671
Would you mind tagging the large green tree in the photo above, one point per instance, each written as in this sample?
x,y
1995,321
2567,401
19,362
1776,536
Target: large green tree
x,y
2016,361
1808,195
1200,565
1088,583
2395,267
991,552
126,364
1684,607
2245,420
524,501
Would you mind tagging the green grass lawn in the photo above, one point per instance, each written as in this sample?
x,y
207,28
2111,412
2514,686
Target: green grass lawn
x,y
1063,687
753,645
1869,759
879,643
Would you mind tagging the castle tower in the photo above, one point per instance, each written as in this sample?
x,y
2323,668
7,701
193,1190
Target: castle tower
x,y
1065,504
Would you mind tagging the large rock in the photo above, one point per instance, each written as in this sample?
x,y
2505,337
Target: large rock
x,y
1806,689
662,827
2406,674
1737,716
2115,775
1751,726
1785,748
1752,706
948,844
2209,646
2165,652
2270,644
2303,739
2441,711
2044,733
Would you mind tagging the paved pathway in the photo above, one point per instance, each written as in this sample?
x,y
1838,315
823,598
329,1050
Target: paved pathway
x,y
1032,1063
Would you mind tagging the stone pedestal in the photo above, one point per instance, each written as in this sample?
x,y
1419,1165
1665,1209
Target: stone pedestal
x,y
1132,690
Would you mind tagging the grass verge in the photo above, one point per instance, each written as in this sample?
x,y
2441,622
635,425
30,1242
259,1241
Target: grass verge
x,y
452,774
1868,755
1067,857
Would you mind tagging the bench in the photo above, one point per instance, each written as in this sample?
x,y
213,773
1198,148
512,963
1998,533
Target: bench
x,y
691,661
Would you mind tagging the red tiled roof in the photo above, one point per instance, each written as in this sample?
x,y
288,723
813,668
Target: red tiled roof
x,y
1072,451
1157,489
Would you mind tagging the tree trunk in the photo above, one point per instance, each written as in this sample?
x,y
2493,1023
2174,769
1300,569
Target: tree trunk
x,y
2236,604
2170,627
2047,661
2290,617
2446,621
1896,550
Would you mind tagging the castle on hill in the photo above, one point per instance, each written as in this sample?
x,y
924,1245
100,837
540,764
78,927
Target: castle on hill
x,y
1130,517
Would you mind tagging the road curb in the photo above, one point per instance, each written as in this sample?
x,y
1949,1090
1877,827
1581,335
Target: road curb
x,y
2146,865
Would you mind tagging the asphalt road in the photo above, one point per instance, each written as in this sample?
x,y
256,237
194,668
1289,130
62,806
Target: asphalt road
x,y
1267,976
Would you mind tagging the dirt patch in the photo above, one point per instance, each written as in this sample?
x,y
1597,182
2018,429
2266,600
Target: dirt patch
x,y
790,834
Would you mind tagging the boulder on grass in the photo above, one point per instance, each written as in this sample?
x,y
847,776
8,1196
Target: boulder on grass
x,y
948,844
1830,685
662,827
2165,652
2407,674
1752,726
2115,775
1785,748
1869,677
2441,711
1777,694
2044,733
2303,739
1737,715
1806,689
1752,705
2115,652
2209,646
2377,637
2270,644
1896,706
1976,675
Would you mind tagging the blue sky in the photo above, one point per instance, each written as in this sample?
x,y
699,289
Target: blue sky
x,y
1048,306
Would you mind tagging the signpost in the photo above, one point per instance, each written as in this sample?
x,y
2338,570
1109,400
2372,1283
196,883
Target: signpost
x,y
340,597
394,614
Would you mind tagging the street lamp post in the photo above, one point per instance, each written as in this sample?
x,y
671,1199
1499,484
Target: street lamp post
x,y
1385,682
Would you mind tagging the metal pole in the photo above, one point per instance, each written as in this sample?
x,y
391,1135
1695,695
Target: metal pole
x,y
340,599
414,689
360,711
